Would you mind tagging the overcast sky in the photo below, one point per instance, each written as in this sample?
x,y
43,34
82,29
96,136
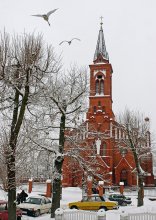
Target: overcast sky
x,y
130,35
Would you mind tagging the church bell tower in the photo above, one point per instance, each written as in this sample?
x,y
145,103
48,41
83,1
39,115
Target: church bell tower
x,y
100,98
100,116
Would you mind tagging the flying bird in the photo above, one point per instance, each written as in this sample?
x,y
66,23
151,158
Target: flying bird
x,y
46,16
70,41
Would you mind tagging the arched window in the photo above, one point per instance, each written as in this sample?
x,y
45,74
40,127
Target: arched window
x,y
103,109
99,103
103,149
97,87
94,109
101,87
93,150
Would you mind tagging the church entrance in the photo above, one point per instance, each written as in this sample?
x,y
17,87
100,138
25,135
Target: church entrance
x,y
124,177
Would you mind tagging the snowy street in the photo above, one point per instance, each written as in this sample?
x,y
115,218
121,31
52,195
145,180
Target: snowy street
x,y
72,194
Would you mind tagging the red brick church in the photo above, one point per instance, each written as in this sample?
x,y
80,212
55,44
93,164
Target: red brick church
x,y
97,155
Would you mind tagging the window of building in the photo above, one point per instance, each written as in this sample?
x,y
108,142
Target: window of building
x,y
101,87
123,151
97,87
103,149
119,134
103,109
116,133
94,109
99,103
93,149
99,76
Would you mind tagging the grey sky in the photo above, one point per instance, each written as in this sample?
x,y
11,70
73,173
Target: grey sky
x,y
130,36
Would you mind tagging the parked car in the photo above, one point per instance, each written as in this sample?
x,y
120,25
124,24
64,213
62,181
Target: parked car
x,y
121,199
36,205
4,211
94,202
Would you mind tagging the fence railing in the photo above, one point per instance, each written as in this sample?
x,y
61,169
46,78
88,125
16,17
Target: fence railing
x,y
130,216
68,214
73,214
142,216
77,215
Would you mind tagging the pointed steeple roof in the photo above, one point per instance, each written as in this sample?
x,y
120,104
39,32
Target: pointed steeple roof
x,y
101,47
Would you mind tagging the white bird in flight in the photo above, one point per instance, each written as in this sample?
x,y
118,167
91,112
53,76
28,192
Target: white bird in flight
x,y
46,16
70,41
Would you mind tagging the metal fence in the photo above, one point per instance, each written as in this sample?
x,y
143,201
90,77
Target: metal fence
x,y
87,215
74,214
80,215
142,216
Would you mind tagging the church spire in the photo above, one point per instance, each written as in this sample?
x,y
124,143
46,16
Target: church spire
x,y
101,47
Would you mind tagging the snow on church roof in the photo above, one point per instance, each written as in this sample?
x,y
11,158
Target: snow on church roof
x,y
123,158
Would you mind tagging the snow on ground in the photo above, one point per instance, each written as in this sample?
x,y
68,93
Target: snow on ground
x,y
71,194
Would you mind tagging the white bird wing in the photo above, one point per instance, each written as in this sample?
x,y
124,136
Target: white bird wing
x,y
75,39
37,15
50,12
63,42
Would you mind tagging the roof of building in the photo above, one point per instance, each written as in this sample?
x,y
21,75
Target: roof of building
x,y
101,47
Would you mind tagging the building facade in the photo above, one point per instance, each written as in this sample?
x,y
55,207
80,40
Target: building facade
x,y
96,151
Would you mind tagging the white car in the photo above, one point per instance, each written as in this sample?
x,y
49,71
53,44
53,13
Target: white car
x,y
35,205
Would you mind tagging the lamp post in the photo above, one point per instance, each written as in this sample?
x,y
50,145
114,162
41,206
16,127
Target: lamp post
x,y
121,187
84,186
101,184
89,185
110,177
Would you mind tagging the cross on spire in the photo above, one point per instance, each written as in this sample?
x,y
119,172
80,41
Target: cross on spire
x,y
101,21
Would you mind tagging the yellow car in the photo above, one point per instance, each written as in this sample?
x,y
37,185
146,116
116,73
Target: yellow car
x,y
94,202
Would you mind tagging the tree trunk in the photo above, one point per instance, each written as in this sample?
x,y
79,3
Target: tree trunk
x,y
140,182
57,187
140,191
10,156
140,175
18,115
11,189
56,196
12,205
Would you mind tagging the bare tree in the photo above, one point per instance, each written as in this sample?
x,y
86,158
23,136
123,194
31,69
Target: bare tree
x,y
61,102
22,161
3,168
67,93
136,140
83,156
131,136
24,65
